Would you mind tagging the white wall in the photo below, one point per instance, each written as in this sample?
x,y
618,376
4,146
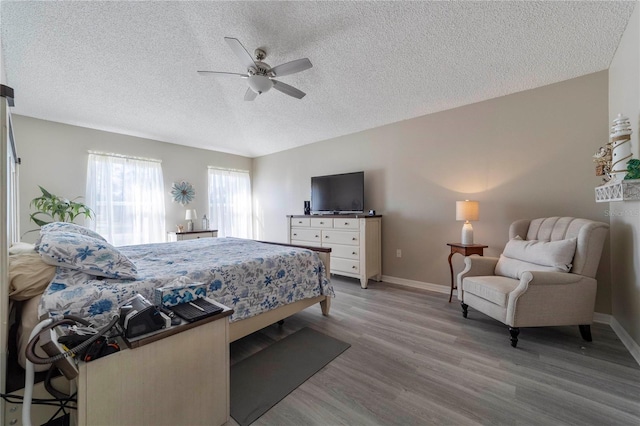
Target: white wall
x,y
54,155
525,155
624,97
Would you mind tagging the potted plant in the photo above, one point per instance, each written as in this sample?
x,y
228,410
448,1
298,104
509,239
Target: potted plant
x,y
52,208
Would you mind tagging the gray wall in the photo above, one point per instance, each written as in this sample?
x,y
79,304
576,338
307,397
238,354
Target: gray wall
x,y
54,155
624,97
525,155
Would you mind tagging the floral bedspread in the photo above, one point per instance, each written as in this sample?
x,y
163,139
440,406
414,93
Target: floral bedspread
x,y
248,276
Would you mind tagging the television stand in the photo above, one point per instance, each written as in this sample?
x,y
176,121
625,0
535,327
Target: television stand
x,y
354,239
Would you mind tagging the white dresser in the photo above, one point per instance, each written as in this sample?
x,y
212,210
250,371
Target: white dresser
x,y
355,242
192,235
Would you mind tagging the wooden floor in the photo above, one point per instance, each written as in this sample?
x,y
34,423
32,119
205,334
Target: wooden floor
x,y
414,360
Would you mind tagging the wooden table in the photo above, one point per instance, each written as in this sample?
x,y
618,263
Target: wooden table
x,y
465,250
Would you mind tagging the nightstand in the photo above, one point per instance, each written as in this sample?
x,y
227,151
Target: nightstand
x,y
465,250
192,235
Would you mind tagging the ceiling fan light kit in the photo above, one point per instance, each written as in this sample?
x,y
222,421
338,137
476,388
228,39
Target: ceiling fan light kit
x,y
260,83
260,76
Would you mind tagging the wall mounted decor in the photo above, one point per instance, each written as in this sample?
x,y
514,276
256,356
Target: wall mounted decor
x,y
182,192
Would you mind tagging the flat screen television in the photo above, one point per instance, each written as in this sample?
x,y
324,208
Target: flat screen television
x,y
343,193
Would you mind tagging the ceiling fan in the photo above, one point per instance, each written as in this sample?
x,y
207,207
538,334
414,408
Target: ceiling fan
x,y
260,75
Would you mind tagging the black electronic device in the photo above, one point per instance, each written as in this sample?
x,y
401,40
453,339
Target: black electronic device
x,y
342,193
196,310
307,207
138,316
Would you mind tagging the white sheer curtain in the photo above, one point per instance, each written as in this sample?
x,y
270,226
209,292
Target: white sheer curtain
x,y
230,202
127,197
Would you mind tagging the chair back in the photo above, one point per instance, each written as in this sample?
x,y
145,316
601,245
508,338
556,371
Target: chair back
x,y
590,237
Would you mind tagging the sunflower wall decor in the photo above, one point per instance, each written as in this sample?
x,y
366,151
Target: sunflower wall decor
x,y
182,192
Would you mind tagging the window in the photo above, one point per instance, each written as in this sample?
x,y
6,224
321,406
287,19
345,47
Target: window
x,y
127,197
230,202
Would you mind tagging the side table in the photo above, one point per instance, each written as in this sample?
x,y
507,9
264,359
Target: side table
x,y
465,250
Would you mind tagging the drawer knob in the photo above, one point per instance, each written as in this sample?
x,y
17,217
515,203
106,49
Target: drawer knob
x,y
346,223
317,236
326,236
354,253
295,235
321,223
354,238
354,267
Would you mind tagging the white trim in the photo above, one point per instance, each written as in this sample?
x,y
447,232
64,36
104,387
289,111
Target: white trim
x,y
417,284
602,318
627,340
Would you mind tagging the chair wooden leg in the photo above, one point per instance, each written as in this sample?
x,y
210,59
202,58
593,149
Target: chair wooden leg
x,y
585,332
465,308
514,331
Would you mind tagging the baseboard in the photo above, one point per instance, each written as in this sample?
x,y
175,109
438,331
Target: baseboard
x,y
632,346
602,318
629,343
417,284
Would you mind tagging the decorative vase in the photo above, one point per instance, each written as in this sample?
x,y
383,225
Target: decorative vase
x,y
620,137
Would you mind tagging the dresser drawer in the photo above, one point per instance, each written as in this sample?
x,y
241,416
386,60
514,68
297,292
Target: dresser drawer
x,y
340,237
303,234
301,221
321,223
345,265
195,236
181,236
346,223
347,252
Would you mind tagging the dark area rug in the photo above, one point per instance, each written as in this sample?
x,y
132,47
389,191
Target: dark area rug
x,y
262,380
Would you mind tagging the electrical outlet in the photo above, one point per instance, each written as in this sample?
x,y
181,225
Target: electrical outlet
x,y
398,253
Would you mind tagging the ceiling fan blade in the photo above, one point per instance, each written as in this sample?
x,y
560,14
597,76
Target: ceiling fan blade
x,y
291,67
249,95
288,90
241,52
223,74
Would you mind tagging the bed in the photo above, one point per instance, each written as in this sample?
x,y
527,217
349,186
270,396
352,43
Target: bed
x,y
248,276
263,282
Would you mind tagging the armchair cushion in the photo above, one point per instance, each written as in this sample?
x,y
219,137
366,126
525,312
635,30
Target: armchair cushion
x,y
492,288
520,256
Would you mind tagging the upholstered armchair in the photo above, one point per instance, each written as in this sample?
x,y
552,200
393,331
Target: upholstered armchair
x,y
544,277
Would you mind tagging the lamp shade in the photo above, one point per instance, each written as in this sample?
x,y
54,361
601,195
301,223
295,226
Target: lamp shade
x,y
467,210
191,214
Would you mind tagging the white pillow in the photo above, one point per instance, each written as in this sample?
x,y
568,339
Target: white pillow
x,y
22,248
521,255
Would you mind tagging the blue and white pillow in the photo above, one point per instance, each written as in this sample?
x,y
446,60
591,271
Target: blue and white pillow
x,y
87,254
67,227
70,227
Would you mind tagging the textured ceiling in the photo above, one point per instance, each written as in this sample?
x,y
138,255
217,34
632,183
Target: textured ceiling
x,y
130,67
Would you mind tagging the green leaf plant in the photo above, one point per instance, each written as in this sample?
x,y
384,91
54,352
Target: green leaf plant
x,y
52,208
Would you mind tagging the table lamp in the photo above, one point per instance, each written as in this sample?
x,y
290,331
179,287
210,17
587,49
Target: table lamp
x,y
190,216
467,210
